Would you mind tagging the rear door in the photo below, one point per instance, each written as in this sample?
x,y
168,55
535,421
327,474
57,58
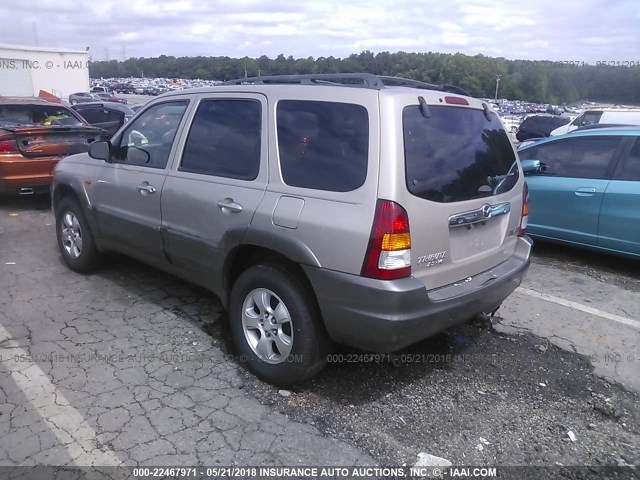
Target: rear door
x,y
619,227
462,189
565,199
217,183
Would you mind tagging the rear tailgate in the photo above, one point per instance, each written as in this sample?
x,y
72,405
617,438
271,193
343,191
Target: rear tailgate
x,y
462,188
54,141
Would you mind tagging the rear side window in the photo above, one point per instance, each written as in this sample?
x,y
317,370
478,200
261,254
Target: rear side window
x,y
456,154
579,157
323,145
224,139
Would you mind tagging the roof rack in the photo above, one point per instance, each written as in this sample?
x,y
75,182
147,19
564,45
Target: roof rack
x,y
359,80
408,82
366,80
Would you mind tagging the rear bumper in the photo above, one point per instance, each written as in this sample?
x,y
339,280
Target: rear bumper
x,y
18,172
383,316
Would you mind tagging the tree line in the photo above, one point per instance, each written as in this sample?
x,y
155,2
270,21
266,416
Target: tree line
x,y
534,81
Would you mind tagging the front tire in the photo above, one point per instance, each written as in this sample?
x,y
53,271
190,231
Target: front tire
x,y
75,240
276,326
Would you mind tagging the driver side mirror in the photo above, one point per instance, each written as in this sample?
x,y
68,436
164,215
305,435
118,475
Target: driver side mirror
x,y
100,151
533,166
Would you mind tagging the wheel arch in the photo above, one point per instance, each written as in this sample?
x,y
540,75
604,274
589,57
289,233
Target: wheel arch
x,y
259,246
71,189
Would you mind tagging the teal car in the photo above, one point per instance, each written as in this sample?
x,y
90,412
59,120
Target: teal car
x,y
584,189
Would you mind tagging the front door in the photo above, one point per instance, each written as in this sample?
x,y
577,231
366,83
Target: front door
x,y
566,197
127,194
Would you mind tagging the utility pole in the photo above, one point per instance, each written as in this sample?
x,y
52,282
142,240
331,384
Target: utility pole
x,y
497,84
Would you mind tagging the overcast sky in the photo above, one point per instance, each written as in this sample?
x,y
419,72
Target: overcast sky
x,y
585,30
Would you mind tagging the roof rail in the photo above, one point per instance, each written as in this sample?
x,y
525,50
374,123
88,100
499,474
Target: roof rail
x,y
361,80
408,82
366,80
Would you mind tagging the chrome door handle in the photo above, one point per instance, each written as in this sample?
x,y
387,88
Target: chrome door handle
x,y
585,191
230,205
146,189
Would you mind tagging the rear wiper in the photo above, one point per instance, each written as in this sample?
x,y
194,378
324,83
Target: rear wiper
x,y
424,108
497,178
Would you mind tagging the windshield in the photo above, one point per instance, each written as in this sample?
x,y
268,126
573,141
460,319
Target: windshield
x,y
456,154
37,115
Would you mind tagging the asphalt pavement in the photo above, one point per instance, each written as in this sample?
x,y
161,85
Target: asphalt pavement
x,y
135,367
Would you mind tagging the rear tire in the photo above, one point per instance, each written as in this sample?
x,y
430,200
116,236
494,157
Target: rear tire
x,y
276,325
75,240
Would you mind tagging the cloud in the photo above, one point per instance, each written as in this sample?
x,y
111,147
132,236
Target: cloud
x,y
530,29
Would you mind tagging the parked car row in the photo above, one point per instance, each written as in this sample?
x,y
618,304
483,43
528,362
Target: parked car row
x,y
85,97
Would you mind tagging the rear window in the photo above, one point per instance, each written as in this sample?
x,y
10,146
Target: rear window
x,y
457,154
323,145
38,115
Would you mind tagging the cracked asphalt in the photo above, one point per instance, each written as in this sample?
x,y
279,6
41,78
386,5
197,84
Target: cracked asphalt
x,y
132,366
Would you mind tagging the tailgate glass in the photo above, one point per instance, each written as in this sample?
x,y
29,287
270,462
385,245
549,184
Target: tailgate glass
x,y
457,154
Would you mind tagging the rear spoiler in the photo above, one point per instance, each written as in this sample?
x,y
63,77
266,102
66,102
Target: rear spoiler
x,y
49,97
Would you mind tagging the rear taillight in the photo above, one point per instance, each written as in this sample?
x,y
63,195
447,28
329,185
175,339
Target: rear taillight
x,y
8,145
389,252
524,219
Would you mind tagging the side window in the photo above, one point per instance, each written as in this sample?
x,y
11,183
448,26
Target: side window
x,y
148,139
323,145
224,139
631,168
580,157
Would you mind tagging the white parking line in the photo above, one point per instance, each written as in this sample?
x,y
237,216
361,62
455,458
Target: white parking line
x,y
64,421
578,306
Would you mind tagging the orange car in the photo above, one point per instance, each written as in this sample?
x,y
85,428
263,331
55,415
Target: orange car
x,y
34,135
